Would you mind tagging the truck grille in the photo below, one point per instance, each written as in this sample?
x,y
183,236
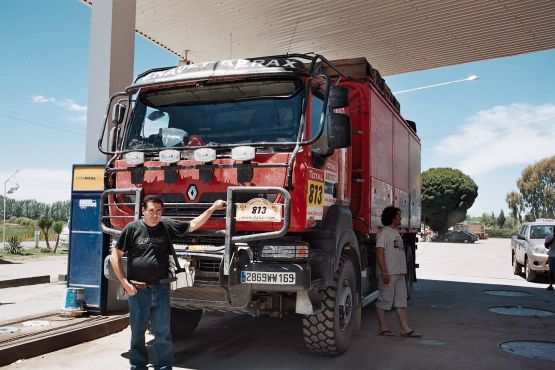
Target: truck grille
x,y
189,211
200,240
208,265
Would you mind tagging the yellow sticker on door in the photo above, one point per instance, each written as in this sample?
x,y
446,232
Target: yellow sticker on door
x,y
315,194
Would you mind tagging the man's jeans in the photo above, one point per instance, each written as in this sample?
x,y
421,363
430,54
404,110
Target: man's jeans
x,y
151,304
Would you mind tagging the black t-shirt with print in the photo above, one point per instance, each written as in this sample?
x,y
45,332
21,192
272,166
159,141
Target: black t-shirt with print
x,y
148,248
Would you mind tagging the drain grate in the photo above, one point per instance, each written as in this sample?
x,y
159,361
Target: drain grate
x,y
521,311
433,342
537,350
507,293
8,329
440,306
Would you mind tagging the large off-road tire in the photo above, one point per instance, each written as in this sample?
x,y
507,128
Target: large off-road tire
x,y
330,331
184,322
529,273
517,267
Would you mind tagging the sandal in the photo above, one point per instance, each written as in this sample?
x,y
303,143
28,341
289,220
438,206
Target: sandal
x,y
386,333
411,334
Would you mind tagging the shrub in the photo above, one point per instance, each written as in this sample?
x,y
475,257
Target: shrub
x,y
501,233
14,246
24,221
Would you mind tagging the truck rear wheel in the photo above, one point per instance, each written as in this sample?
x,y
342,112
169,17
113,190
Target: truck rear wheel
x,y
184,322
409,277
330,331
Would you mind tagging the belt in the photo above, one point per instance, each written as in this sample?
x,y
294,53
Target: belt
x,y
141,285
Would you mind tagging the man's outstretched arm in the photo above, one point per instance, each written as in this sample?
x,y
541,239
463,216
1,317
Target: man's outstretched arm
x,y
197,222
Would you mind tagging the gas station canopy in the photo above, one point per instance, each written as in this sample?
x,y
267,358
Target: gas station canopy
x,y
395,36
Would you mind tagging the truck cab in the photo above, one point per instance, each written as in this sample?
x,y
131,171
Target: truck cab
x,y
275,138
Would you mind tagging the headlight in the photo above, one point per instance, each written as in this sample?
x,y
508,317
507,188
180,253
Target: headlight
x,y
204,155
540,249
135,158
243,153
284,251
170,156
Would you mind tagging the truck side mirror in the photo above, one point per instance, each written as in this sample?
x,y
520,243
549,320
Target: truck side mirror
x,y
339,131
118,113
521,237
339,97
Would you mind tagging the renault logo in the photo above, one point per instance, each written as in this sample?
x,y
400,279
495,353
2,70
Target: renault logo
x,y
192,192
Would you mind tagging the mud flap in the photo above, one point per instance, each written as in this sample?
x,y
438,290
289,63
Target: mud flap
x,y
357,315
308,302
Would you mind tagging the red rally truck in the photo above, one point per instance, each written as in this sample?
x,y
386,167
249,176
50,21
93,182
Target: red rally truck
x,y
307,152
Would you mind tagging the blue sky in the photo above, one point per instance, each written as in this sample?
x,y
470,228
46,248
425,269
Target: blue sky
x,y
490,129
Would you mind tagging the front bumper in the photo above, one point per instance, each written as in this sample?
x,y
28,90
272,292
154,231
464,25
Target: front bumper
x,y
538,262
232,295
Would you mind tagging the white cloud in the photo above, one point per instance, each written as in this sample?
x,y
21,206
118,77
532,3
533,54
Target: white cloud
x,y
39,99
68,104
46,186
71,106
519,133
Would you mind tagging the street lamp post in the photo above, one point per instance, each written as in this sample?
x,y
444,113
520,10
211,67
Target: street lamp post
x,y
4,222
469,78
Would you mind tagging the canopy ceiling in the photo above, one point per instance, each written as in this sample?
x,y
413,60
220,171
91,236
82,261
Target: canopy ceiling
x,y
395,36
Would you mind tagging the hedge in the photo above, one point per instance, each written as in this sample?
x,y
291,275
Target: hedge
x,y
501,233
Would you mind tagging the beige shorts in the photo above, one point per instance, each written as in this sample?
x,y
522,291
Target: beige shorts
x,y
393,294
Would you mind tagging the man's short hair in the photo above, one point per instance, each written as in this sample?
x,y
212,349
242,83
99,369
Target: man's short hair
x,y
389,214
153,199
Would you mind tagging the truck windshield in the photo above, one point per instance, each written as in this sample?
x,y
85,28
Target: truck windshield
x,y
541,231
235,113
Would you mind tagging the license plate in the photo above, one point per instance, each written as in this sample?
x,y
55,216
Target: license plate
x,y
259,277
258,210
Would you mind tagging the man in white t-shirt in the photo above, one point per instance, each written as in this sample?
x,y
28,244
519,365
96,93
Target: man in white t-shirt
x,y
391,271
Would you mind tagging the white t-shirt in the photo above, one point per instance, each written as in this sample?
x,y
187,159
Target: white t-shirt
x,y
394,252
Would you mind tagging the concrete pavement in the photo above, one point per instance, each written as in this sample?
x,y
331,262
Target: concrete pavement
x,y
27,266
449,307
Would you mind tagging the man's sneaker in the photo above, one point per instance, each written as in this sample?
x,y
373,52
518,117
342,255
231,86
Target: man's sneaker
x,y
550,287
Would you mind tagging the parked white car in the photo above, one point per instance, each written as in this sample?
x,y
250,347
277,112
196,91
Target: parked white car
x,y
64,237
528,250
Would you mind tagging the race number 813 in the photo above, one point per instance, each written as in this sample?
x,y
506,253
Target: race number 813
x,y
315,194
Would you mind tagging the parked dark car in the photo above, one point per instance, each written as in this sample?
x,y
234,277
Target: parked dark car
x,y
459,237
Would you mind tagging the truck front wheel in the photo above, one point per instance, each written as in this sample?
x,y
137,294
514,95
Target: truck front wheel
x,y
529,273
330,331
184,322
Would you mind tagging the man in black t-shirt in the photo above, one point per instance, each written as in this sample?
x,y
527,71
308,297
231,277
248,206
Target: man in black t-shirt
x,y
148,249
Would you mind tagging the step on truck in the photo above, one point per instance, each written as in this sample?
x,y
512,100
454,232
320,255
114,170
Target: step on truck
x,y
307,153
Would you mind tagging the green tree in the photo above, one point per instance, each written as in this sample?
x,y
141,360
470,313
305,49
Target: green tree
x,y
447,193
57,227
515,203
537,186
501,219
45,223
